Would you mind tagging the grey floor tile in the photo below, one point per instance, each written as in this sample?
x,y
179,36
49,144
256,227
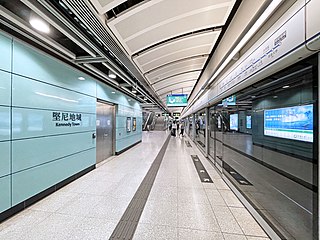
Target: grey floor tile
x,y
230,198
226,220
215,197
94,228
54,202
160,213
221,185
109,208
247,222
191,234
164,194
155,232
228,236
81,205
192,195
197,216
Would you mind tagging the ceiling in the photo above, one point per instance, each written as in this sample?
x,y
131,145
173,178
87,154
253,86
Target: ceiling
x,y
169,41
156,47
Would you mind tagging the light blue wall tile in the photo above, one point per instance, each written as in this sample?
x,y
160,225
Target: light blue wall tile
x,y
32,152
5,88
5,194
33,64
28,183
104,92
128,141
5,50
28,123
4,123
4,158
34,94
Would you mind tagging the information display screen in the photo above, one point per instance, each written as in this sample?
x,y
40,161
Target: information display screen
x,y
234,122
177,100
291,123
248,122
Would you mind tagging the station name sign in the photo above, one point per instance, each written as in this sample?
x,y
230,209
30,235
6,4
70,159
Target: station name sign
x,y
66,119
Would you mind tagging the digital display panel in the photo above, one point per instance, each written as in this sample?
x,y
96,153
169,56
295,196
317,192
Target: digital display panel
x,y
234,122
248,122
294,123
177,100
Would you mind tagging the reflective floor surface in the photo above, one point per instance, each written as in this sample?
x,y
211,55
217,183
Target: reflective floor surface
x,y
179,205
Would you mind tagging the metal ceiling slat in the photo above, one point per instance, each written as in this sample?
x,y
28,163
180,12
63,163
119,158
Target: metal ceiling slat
x,y
83,12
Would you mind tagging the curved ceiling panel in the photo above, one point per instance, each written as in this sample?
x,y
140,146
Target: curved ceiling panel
x,y
176,87
185,25
170,40
186,90
176,79
176,18
193,45
176,68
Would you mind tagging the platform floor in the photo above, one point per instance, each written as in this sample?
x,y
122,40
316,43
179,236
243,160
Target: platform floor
x,y
179,205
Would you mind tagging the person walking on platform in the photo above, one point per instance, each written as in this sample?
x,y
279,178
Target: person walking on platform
x,y
181,129
174,129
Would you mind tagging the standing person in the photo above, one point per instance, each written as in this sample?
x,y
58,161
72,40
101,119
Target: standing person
x,y
174,128
181,128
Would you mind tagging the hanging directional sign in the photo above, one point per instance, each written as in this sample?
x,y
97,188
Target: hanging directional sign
x,y
177,100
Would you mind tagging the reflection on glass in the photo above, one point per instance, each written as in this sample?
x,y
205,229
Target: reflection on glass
x,y
271,158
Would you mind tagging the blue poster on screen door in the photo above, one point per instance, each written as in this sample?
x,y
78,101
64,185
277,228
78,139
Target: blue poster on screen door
x,y
292,123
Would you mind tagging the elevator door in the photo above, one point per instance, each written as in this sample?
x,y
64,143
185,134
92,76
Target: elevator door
x,y
105,122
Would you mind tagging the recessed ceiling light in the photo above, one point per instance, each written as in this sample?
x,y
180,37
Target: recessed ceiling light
x,y
112,75
253,96
81,78
113,92
286,86
275,96
39,24
134,91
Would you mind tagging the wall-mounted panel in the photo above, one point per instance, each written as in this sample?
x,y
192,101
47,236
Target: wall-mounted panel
x,y
26,184
34,94
4,123
5,158
28,123
30,63
30,152
5,88
5,193
5,50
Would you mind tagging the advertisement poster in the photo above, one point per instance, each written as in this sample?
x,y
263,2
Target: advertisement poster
x,y
234,122
128,127
134,124
294,123
248,122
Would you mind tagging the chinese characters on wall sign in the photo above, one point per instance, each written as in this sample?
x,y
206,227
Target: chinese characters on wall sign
x,y
64,119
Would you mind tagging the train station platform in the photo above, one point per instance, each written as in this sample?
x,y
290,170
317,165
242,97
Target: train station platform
x,y
152,191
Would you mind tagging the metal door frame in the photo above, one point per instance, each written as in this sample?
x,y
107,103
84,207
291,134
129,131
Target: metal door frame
x,y
113,124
